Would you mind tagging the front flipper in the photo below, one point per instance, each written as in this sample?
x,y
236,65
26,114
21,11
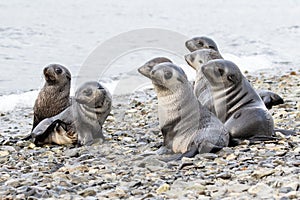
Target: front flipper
x,y
189,154
261,138
286,132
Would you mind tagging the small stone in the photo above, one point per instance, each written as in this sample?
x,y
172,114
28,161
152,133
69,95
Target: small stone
x,y
72,153
262,173
261,190
87,192
237,188
31,146
285,189
209,156
163,188
4,153
231,157
224,175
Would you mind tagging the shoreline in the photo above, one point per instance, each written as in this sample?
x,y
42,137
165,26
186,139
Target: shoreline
x,y
122,167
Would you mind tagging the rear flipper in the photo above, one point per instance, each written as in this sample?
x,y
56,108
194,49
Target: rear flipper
x,y
205,147
286,132
261,138
27,137
189,154
42,131
270,98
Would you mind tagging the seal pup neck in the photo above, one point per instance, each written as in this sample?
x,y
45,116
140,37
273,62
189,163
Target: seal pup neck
x,y
177,105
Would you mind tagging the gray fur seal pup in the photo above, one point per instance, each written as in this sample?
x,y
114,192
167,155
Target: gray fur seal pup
x,y
187,127
54,97
237,104
270,98
202,89
197,43
81,122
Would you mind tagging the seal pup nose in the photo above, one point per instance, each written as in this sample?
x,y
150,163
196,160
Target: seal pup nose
x,y
45,70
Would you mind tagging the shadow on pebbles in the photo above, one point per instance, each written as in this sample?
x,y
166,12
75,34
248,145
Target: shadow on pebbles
x,y
124,167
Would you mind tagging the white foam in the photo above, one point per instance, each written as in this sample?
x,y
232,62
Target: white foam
x,y
250,63
13,101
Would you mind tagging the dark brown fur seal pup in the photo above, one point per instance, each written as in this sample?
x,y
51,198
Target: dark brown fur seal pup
x,y
54,97
236,103
188,127
81,122
198,58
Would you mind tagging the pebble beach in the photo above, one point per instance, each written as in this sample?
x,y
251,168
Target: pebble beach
x,y
124,166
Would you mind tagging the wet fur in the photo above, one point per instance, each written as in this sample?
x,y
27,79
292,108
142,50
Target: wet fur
x,y
54,97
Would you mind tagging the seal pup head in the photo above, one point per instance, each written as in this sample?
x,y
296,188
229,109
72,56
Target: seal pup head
x,y
201,43
222,73
56,74
93,95
148,66
200,57
168,76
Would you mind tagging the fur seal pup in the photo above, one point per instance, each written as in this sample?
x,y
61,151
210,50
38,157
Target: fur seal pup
x,y
81,122
187,127
237,105
270,98
197,43
54,97
202,88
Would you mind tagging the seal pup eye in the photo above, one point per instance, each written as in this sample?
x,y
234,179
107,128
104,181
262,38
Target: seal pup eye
x,y
88,92
221,71
212,47
58,70
200,61
200,43
168,75
231,78
100,87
